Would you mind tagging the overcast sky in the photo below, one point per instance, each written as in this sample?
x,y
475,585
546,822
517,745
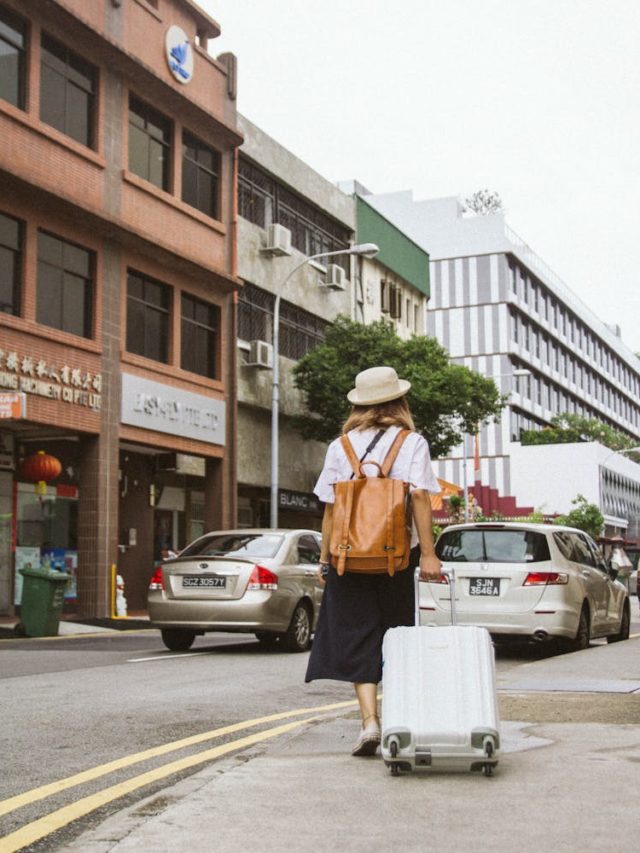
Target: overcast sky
x,y
536,99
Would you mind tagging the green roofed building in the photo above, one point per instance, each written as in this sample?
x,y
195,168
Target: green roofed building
x,y
395,284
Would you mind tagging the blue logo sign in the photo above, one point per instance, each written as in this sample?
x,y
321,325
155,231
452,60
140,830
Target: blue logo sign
x,y
179,53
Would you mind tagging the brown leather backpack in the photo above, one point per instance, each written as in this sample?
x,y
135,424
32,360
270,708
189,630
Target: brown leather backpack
x,y
370,532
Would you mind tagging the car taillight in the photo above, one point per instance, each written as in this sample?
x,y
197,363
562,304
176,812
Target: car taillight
x,y
157,579
545,578
262,578
441,579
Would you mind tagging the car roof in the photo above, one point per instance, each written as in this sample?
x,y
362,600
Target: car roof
x,y
512,525
241,531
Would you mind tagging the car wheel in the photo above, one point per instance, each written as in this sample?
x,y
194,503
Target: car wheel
x,y
583,634
297,637
625,624
178,639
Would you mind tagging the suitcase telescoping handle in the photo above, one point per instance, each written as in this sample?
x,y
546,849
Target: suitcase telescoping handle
x,y
451,577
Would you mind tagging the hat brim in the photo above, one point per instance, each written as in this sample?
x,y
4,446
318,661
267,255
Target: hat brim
x,y
363,400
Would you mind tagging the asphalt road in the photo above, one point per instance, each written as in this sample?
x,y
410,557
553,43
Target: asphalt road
x,y
73,703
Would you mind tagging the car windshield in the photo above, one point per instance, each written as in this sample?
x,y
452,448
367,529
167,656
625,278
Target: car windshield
x,y
235,545
493,546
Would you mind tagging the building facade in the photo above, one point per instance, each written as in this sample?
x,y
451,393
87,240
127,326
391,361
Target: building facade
x,y
287,212
394,284
498,309
117,287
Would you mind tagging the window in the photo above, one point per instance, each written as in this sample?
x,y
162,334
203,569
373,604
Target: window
x,y
493,546
147,317
199,349
264,201
10,264
65,286
149,144
67,92
200,175
300,331
308,550
12,58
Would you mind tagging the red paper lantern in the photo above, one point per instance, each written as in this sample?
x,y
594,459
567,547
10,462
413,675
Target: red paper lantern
x,y
41,468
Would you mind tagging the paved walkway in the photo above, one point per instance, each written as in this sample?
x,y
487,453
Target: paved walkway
x,y
562,785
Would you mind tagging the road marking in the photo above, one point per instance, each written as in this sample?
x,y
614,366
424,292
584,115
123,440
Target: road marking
x,y
161,656
54,821
48,790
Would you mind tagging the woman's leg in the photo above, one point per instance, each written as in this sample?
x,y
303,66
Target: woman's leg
x,y
369,737
368,700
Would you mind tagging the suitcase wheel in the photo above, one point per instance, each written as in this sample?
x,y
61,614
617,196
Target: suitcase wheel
x,y
394,766
487,768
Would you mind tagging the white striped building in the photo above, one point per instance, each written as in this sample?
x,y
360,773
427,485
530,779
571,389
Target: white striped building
x,y
496,307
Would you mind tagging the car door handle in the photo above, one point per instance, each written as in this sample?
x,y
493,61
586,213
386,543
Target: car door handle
x,y
310,572
586,573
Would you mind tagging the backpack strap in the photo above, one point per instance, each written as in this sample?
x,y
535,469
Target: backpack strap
x,y
351,455
344,546
390,458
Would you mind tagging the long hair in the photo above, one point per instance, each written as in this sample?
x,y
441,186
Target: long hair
x,y
380,416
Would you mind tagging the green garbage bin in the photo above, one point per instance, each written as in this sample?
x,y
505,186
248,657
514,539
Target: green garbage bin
x,y
42,600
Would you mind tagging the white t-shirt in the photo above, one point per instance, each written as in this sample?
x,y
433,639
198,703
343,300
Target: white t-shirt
x,y
412,464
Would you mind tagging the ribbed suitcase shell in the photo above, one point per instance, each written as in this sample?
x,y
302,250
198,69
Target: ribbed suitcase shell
x,y
439,703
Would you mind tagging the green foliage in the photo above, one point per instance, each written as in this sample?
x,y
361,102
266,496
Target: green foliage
x,y
446,400
566,429
585,517
436,530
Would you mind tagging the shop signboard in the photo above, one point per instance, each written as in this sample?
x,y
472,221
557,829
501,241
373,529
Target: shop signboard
x,y
298,501
24,371
164,408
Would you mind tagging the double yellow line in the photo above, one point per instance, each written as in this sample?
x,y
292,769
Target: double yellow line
x,y
60,818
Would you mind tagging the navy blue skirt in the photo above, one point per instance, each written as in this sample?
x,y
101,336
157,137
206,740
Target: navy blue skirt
x,y
356,611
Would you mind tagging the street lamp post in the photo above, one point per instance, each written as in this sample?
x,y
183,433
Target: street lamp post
x,y
364,250
519,371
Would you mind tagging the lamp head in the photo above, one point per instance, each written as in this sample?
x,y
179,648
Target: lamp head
x,y
364,250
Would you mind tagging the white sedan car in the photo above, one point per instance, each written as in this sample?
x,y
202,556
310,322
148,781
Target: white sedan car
x,y
528,581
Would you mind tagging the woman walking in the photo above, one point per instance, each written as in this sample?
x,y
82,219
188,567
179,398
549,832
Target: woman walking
x,y
358,608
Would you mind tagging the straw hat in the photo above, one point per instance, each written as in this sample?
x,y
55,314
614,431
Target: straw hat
x,y
377,385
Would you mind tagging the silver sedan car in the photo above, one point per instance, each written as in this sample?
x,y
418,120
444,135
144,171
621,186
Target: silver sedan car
x,y
249,581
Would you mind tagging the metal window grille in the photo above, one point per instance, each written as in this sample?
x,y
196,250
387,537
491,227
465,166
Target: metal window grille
x,y
300,331
263,201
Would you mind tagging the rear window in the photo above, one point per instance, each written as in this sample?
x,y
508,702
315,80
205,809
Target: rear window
x,y
235,545
493,546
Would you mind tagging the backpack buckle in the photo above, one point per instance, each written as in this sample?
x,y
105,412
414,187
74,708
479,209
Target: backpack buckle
x,y
344,547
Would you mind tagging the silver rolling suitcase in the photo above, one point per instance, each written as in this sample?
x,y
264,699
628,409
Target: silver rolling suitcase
x,y
439,701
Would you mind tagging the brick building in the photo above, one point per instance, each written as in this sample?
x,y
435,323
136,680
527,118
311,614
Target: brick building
x,y
117,287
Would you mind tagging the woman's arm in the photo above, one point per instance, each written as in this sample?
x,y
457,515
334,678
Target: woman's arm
x,y
430,565
327,520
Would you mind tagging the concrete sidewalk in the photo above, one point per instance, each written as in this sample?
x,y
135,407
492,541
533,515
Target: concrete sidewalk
x,y
562,786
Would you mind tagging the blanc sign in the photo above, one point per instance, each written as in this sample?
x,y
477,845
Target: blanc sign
x,y
152,405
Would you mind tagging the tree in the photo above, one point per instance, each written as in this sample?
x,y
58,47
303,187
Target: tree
x,y
447,400
483,202
585,517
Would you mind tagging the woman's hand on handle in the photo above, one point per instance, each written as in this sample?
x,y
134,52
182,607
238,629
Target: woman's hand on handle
x,y
430,567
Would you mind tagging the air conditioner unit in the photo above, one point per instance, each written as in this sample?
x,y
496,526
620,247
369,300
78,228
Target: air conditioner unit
x,y
335,278
278,240
260,354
